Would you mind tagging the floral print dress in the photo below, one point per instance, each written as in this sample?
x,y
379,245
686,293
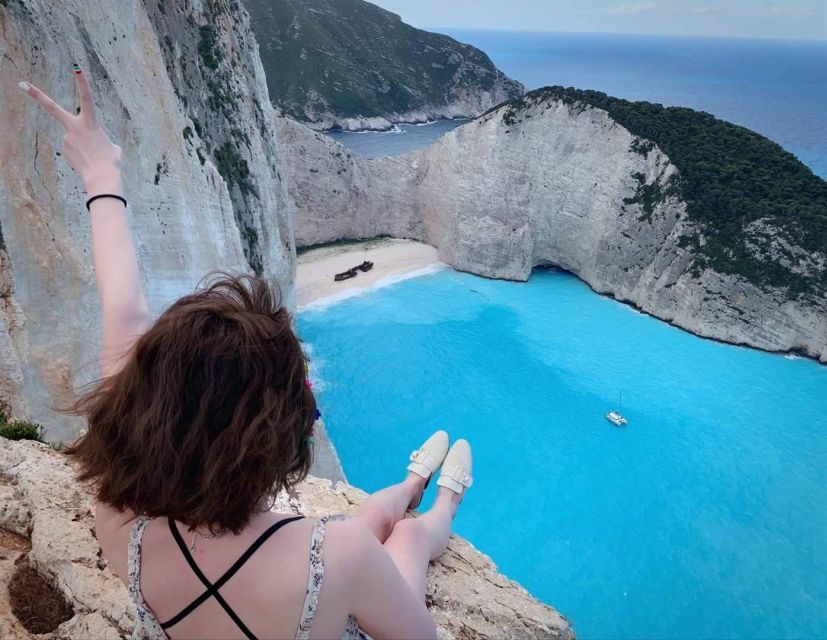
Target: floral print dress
x,y
148,627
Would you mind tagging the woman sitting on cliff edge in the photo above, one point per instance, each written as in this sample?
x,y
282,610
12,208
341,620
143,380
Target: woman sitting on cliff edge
x,y
198,419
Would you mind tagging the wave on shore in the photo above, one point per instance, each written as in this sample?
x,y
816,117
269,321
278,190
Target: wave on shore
x,y
327,301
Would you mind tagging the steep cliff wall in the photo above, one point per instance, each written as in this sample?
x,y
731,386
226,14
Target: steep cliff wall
x,y
50,516
180,87
550,182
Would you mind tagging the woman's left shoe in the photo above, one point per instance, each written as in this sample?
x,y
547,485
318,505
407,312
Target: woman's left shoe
x,y
427,459
456,469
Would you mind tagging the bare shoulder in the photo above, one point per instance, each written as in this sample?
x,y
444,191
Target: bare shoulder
x,y
112,529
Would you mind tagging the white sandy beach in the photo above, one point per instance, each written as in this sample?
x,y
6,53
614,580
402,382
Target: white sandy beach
x,y
393,260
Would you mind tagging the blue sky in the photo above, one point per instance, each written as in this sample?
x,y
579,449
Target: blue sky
x,y
794,19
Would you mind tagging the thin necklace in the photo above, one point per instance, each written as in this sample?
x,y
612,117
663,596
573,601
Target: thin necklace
x,y
208,536
213,536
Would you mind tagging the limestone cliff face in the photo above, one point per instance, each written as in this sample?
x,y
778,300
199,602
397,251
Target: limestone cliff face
x,y
338,195
559,184
180,87
50,516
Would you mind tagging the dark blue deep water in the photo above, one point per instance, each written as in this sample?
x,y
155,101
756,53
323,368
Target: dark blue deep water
x,y
777,88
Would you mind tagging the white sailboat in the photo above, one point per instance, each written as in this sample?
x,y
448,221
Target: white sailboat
x,y
615,417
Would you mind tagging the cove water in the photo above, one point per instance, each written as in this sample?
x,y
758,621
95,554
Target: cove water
x,y
775,87
401,139
704,518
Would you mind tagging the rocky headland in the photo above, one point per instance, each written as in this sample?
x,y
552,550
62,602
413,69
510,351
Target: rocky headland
x,y
321,72
567,178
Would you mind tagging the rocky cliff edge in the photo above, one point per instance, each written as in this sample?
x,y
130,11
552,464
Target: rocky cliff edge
x,y
46,524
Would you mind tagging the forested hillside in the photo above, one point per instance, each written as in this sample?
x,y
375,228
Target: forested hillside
x,y
352,59
762,212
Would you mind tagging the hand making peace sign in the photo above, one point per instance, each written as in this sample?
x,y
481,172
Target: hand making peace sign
x,y
86,146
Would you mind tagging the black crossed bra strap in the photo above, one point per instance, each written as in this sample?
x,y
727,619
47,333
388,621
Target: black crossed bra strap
x,y
212,588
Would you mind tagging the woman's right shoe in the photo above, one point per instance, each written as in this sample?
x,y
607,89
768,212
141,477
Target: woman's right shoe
x,y
456,468
427,459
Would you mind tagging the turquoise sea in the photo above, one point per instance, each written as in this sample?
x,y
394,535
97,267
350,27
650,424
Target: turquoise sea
x,y
704,518
707,516
775,87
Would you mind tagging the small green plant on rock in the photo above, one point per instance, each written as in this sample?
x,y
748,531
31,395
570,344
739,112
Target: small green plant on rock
x,y
20,430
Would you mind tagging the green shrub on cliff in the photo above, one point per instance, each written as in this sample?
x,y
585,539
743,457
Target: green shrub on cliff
x,y
20,430
754,201
207,48
234,169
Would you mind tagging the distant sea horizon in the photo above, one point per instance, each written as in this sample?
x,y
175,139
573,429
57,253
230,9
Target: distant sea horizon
x,y
698,36
777,88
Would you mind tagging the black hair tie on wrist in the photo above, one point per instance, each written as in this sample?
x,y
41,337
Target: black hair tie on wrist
x,y
104,195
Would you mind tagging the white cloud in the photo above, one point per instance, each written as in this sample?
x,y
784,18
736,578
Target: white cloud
x,y
705,8
628,9
788,10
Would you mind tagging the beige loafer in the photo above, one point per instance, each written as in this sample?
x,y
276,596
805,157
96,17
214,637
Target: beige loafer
x,y
428,458
456,468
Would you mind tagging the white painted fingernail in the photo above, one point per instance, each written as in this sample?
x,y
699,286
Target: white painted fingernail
x,y
24,86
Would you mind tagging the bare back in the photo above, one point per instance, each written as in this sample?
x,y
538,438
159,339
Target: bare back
x,y
272,595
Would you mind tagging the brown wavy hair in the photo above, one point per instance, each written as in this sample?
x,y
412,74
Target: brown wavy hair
x,y
210,414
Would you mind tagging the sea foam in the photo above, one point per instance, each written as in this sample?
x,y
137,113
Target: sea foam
x,y
352,292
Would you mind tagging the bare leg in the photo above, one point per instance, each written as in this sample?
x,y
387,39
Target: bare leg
x,y
414,542
383,509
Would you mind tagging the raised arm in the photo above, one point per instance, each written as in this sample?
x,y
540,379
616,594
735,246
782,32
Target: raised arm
x,y
97,161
